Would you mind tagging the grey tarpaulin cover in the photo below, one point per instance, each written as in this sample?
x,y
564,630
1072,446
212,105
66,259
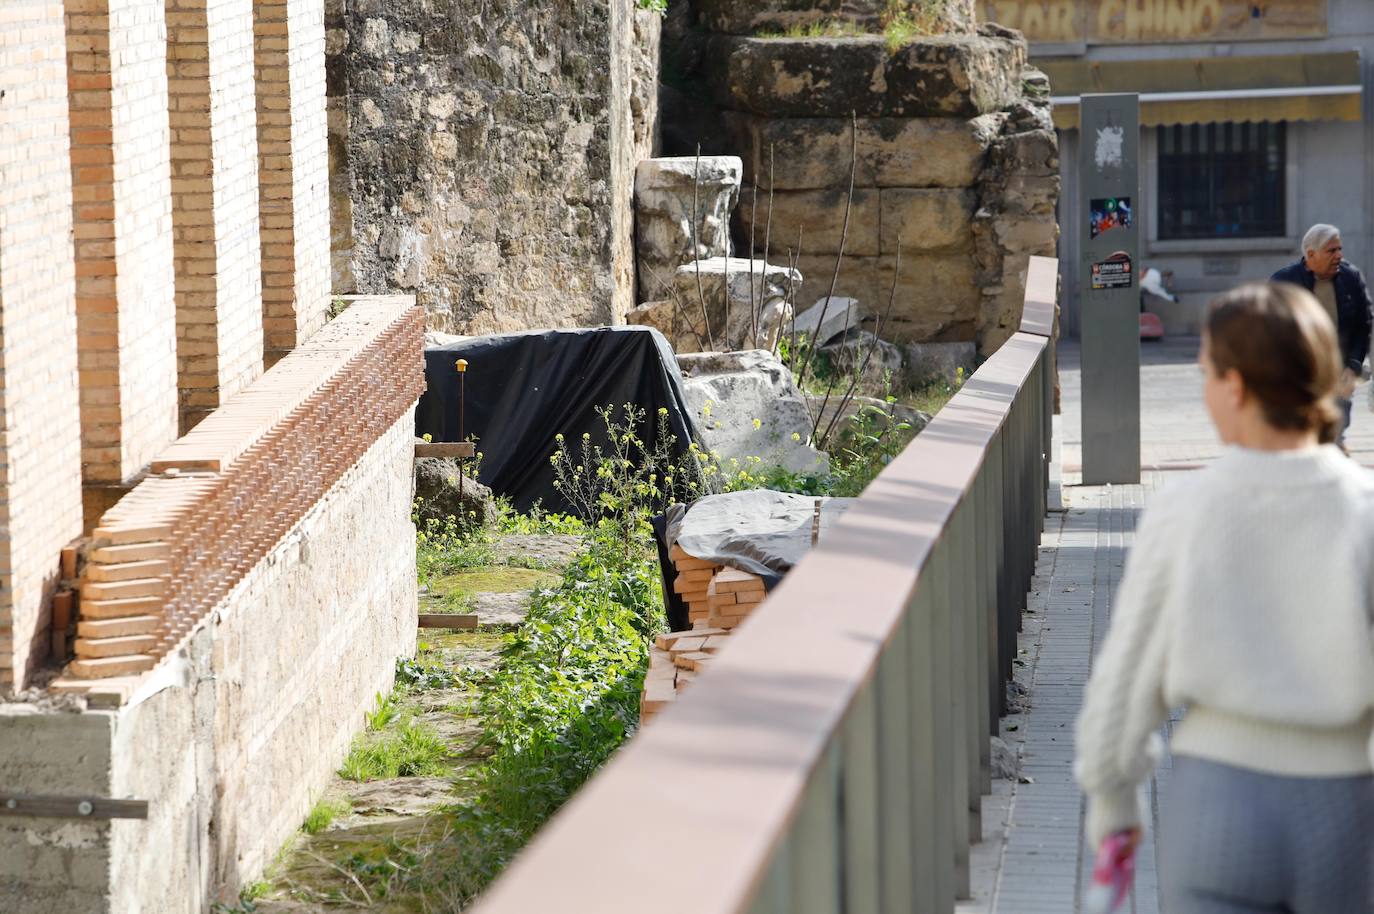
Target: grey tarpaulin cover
x,y
758,531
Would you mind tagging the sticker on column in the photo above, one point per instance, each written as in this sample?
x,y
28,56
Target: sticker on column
x,y
1111,142
1109,213
1114,273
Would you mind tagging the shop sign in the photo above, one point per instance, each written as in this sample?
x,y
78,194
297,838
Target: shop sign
x,y
1159,21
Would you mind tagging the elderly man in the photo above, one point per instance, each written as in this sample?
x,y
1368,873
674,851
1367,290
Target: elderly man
x,y
1342,292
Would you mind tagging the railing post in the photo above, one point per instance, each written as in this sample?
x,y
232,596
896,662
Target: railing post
x,y
905,722
931,869
953,667
861,801
817,856
964,552
947,747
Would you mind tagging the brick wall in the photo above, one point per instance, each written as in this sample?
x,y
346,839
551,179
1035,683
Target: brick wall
x,y
215,200
40,454
293,163
122,216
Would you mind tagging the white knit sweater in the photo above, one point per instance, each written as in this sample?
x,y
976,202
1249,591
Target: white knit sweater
x,y
1247,599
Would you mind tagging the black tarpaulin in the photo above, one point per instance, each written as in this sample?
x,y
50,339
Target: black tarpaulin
x,y
524,388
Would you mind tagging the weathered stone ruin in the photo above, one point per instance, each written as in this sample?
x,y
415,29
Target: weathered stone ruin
x,y
949,136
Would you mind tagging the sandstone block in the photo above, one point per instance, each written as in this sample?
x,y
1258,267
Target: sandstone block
x,y
1030,195
666,189
819,214
892,152
926,220
723,303
727,392
937,298
942,76
824,322
739,18
959,76
1032,152
860,278
1026,234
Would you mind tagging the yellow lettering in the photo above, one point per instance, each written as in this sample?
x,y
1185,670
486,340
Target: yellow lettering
x,y
1208,16
1033,22
1064,25
1109,19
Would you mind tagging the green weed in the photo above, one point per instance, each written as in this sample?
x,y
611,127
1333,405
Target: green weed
x,y
382,714
325,811
409,750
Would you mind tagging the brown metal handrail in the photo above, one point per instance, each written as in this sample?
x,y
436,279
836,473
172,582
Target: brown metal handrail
x,y
834,757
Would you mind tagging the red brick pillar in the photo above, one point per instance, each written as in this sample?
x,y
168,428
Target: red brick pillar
x,y
293,161
214,201
40,440
122,219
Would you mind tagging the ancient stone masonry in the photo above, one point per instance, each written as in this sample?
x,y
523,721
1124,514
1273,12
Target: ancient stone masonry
x,y
956,159
483,154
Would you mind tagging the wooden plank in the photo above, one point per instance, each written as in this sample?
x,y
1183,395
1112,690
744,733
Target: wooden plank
x,y
458,449
62,807
448,620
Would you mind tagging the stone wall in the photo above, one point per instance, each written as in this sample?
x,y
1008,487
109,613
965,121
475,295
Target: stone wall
x,y
483,155
956,162
40,438
235,735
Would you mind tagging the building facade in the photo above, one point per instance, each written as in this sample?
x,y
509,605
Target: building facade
x,y
1255,124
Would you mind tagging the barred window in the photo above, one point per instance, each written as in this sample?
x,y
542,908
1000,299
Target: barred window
x,y
1222,180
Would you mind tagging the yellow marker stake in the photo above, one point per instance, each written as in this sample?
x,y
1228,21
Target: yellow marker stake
x,y
461,365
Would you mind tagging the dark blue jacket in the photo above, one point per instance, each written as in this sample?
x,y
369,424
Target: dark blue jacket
x,y
1353,308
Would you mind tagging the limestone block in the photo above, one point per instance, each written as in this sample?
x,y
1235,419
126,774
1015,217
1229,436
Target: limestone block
x,y
1030,195
850,354
892,152
937,297
941,76
1002,305
722,298
955,76
927,362
1032,152
665,191
859,279
927,220
780,15
728,391
819,214
838,317
802,77
440,495
1026,234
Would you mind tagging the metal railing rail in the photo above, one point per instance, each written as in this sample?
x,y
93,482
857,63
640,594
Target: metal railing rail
x,y
834,757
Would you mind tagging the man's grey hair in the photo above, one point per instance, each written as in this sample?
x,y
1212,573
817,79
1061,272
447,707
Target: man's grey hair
x,y
1318,236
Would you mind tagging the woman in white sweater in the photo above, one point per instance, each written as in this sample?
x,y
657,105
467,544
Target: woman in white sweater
x,y
1248,599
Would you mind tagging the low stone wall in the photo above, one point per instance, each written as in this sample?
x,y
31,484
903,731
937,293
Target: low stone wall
x,y
232,737
483,155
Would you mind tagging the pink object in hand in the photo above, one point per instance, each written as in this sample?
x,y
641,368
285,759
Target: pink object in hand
x,y
1112,874
1151,327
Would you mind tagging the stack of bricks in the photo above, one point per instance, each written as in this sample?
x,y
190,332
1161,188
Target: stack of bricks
x,y
674,661
718,599
219,499
692,578
731,597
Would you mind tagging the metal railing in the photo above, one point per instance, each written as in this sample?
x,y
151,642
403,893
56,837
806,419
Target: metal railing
x,y
834,758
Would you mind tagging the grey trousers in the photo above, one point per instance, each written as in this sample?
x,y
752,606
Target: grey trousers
x,y
1234,841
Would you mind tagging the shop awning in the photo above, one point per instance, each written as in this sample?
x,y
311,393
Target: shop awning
x,y
1291,87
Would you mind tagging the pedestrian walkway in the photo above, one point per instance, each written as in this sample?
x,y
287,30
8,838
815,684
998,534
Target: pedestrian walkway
x,y
1033,859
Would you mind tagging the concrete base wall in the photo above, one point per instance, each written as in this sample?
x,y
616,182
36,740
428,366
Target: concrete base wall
x,y
232,739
